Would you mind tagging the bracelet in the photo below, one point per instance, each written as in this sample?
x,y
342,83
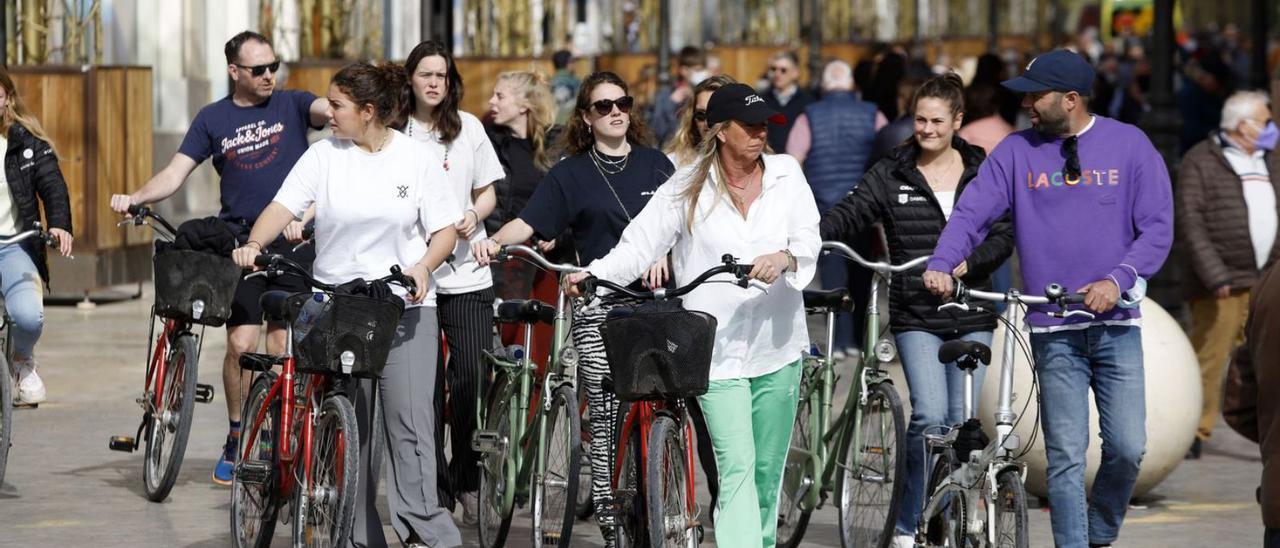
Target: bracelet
x,y
246,244
792,263
472,211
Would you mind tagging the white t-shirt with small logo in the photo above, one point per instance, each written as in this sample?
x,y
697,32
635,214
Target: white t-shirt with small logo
x,y
373,210
472,164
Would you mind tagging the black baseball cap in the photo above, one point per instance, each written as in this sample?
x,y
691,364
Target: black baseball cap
x,y
1058,70
740,102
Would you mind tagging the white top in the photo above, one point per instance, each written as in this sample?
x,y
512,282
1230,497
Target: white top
x,y
757,332
471,164
373,210
946,200
8,208
1259,198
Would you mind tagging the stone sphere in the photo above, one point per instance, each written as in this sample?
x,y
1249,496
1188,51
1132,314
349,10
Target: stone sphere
x,y
1173,397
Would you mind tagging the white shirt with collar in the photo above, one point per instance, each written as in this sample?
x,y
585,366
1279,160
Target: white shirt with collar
x,y
1259,195
758,332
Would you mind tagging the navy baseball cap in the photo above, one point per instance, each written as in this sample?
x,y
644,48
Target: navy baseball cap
x,y
740,102
1058,70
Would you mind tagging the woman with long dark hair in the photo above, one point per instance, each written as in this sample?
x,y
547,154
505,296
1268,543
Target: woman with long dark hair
x,y
378,204
607,178
464,292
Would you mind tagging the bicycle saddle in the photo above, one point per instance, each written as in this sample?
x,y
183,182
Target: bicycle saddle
x,y
827,298
526,311
278,307
966,354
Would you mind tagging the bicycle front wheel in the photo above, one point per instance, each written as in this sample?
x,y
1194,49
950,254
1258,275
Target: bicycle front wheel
x,y
1011,510
170,423
6,415
497,478
872,464
555,497
946,527
253,485
671,512
324,504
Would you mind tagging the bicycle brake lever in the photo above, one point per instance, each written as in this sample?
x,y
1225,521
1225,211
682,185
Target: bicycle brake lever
x,y
258,274
956,305
1073,313
302,244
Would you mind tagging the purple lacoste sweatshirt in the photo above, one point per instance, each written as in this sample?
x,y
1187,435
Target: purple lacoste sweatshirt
x,y
1115,221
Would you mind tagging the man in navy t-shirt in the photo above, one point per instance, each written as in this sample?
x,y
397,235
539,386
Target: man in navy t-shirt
x,y
253,137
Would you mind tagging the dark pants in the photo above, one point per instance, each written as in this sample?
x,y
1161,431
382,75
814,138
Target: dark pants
x,y
1271,538
467,322
835,272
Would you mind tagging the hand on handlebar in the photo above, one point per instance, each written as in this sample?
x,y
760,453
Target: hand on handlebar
x,y
657,274
293,231
767,268
421,282
64,240
245,255
1100,296
120,204
484,250
940,283
571,283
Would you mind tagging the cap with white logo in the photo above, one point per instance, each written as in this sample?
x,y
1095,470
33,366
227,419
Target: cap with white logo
x,y
740,102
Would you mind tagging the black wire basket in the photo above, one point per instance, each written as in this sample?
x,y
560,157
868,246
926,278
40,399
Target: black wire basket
x,y
183,277
330,324
659,353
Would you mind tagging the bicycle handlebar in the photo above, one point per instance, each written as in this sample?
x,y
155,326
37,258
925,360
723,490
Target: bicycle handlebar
x,y
505,254
6,241
881,267
1054,294
729,266
141,213
277,265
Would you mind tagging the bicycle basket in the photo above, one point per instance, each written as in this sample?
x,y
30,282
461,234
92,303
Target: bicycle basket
x,y
183,277
329,324
659,352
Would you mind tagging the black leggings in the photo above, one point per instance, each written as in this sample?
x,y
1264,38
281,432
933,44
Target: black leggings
x,y
467,322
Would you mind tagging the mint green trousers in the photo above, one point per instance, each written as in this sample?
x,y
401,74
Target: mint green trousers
x,y
750,425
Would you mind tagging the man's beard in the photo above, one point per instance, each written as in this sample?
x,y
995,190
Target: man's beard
x,y
1053,128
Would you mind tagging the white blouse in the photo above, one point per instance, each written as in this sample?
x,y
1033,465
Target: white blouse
x,y
758,332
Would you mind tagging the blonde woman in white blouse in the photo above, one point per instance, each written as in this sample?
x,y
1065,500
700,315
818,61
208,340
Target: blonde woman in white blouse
x,y
758,207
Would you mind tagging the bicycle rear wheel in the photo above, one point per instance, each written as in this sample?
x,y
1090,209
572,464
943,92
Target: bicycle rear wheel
x,y
555,497
946,527
6,415
586,506
324,505
1011,510
872,467
496,474
170,422
629,494
798,475
671,514
253,486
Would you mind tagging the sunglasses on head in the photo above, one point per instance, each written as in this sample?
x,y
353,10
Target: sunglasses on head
x,y
605,106
259,70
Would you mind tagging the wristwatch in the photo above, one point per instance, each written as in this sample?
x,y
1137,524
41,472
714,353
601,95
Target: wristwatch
x,y
792,263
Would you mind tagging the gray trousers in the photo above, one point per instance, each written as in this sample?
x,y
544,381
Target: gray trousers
x,y
406,390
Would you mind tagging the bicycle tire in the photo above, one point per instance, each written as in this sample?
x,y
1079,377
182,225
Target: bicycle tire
x,y
586,506
865,474
496,474
1011,510
629,494
6,415
555,508
666,486
945,529
171,421
325,520
254,508
793,517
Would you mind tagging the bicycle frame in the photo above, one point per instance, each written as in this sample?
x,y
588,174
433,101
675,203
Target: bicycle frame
x,y
641,415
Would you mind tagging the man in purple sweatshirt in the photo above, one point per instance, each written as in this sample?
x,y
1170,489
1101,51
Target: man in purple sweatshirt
x,y
1092,210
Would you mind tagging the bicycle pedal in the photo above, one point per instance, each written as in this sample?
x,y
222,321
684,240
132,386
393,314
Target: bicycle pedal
x,y
204,393
488,441
124,444
253,472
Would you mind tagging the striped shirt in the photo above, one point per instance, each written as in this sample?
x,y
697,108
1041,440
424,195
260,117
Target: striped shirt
x,y
1259,196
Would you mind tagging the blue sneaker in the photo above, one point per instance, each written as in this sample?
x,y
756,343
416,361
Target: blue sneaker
x,y
226,466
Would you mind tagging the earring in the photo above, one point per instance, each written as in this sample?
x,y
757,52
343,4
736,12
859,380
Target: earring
x,y
588,129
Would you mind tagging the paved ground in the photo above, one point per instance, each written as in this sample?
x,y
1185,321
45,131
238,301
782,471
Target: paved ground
x,y
64,488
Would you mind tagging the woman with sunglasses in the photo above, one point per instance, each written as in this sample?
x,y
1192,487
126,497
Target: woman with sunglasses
x,y
606,180
464,292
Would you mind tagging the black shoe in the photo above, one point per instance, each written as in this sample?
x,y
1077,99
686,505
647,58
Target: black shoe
x,y
1194,452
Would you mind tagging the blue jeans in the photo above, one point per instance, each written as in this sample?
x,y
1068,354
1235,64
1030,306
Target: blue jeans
x,y
937,398
1068,363
23,298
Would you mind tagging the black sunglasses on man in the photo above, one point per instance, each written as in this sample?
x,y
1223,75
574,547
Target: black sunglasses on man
x,y
259,70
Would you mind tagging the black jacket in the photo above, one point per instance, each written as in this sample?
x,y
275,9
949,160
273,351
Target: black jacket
x,y
895,193
31,168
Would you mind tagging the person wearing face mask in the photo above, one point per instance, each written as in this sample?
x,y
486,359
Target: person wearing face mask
x,y
381,199
668,103
785,96
912,194
605,181
1227,187
1092,209
464,291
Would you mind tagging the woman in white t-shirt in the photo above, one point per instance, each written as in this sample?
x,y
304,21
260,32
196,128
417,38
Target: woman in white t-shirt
x,y
378,205
465,291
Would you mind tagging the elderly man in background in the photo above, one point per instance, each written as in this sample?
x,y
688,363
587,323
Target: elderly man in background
x,y
1226,198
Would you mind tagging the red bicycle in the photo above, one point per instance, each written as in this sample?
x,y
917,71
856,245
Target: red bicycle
x,y
302,445
653,476
192,288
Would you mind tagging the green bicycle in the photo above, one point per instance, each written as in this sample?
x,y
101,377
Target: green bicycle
x,y
530,436
866,439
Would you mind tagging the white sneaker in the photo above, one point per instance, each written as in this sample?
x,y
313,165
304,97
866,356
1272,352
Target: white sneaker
x,y
470,502
30,389
903,541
